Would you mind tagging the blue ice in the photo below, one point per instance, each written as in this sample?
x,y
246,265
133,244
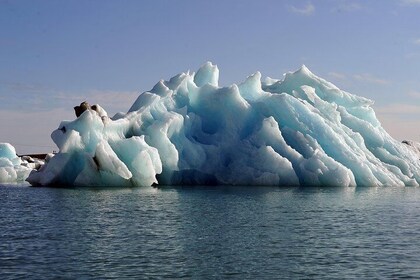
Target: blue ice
x,y
300,130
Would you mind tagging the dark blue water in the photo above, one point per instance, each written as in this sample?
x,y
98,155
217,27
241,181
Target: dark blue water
x,y
202,232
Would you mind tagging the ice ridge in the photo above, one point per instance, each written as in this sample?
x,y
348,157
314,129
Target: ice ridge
x,y
300,130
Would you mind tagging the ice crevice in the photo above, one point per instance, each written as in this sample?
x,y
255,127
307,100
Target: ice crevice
x,y
300,130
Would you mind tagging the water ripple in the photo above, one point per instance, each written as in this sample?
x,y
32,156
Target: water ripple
x,y
235,233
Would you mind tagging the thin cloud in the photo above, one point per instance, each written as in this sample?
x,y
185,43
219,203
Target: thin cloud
x,y
410,2
366,77
412,55
115,100
347,7
400,127
112,101
414,94
399,109
400,120
42,98
417,42
307,10
337,76
18,87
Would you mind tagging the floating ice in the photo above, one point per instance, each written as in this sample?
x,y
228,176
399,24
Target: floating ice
x,y
12,168
301,130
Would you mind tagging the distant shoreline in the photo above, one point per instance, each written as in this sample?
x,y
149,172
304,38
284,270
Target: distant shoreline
x,y
37,156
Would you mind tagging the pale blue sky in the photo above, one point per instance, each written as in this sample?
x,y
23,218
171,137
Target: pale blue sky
x,y
55,54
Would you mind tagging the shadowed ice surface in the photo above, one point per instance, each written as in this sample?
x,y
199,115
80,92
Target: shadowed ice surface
x,y
202,232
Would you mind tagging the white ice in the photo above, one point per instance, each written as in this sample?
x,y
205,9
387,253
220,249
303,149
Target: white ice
x,y
301,130
12,168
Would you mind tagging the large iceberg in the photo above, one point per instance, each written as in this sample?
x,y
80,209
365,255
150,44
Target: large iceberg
x,y
301,130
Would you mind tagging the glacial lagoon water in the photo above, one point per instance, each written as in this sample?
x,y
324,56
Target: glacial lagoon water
x,y
209,232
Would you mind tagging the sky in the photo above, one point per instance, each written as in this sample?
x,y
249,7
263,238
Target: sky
x,y
56,54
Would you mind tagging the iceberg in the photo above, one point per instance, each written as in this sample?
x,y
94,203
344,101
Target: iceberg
x,y
14,169
298,131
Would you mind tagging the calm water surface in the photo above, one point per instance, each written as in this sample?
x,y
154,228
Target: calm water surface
x,y
209,232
